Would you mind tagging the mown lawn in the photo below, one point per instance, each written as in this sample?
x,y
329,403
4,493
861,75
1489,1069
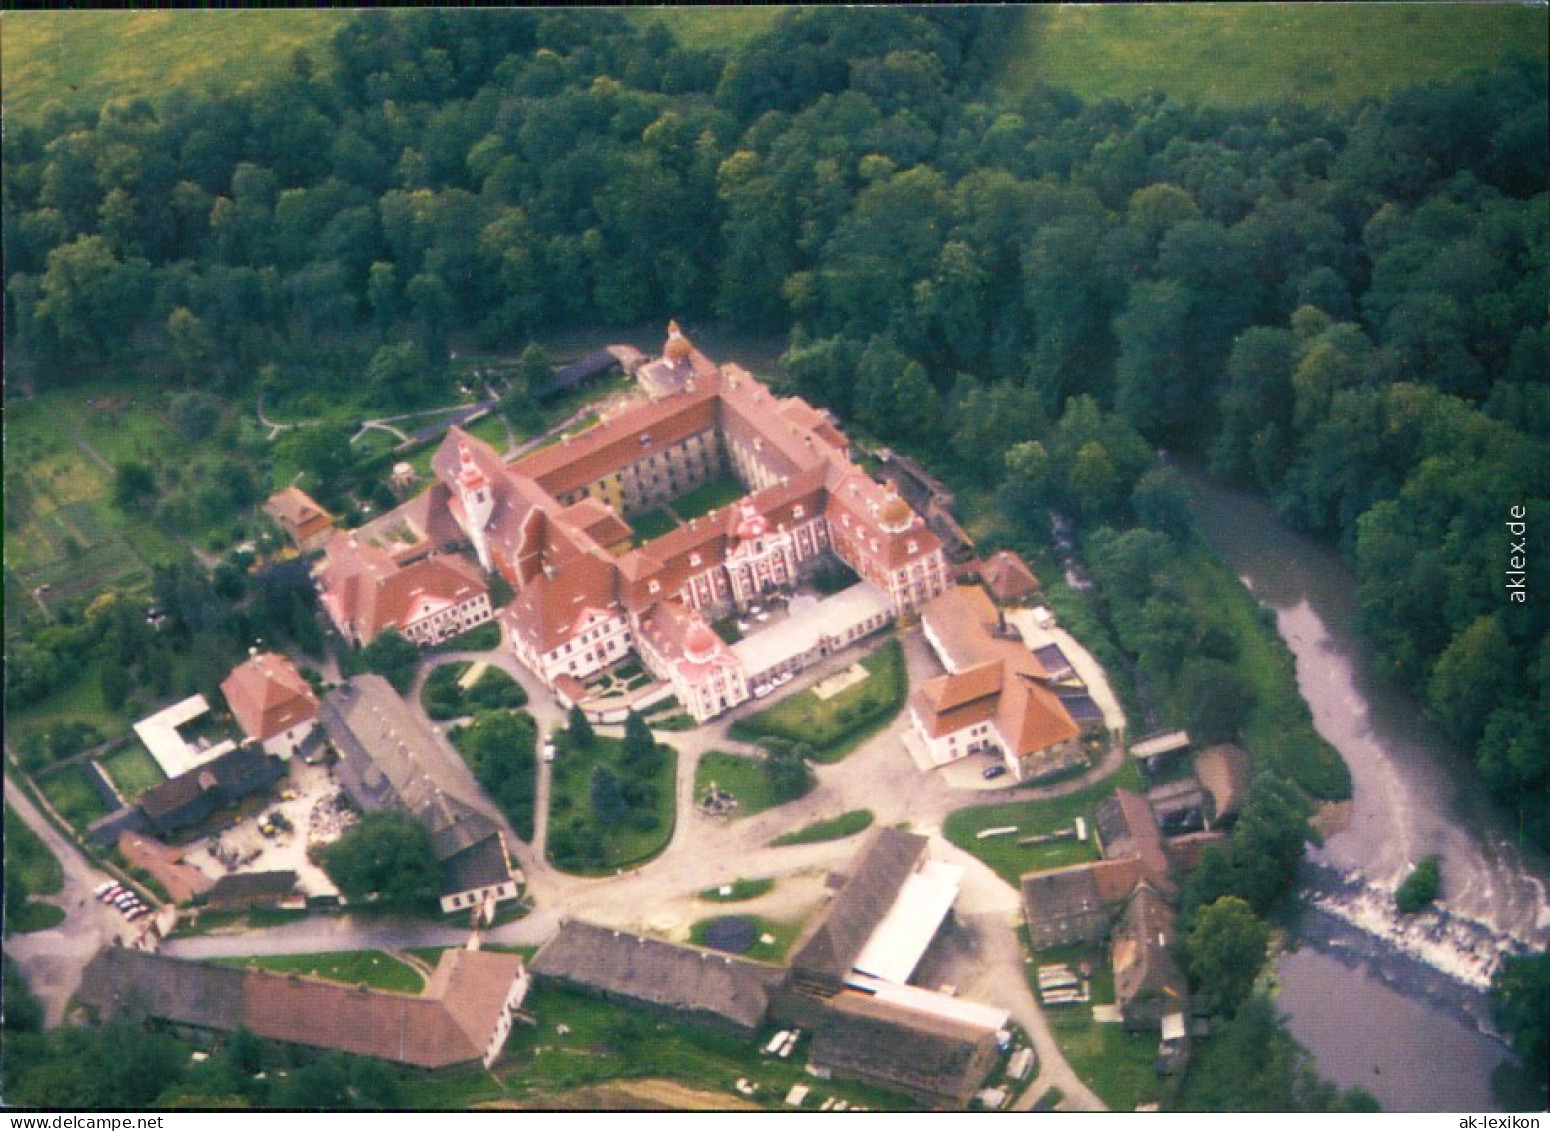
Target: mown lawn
x,y
1033,818
72,796
580,843
652,525
1242,54
1119,1066
711,496
833,828
491,429
28,858
739,890
132,770
836,726
373,967
781,934
743,778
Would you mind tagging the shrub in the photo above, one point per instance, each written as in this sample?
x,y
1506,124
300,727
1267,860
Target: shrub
x,y
836,828
1421,885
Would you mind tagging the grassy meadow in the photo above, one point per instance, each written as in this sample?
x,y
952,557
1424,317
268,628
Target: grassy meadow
x,y
354,967
1225,54
77,60
132,770
72,796
1237,54
28,858
1011,860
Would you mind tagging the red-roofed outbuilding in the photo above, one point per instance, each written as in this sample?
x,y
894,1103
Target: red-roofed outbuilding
x,y
272,701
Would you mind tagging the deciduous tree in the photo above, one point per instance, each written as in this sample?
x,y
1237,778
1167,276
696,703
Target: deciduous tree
x,y
1226,948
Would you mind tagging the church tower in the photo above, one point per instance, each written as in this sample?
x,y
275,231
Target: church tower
x,y
473,488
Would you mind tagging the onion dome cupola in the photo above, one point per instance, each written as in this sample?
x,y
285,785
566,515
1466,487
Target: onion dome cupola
x,y
895,516
701,644
677,347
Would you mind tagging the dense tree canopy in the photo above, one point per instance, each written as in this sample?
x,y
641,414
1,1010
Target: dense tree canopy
x,y
387,855
1343,309
1226,948
1520,1006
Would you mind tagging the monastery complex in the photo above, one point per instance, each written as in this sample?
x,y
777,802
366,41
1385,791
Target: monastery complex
x,y
555,525
590,593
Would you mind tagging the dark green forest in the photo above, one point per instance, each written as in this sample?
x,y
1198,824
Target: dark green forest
x,y
1343,309
1340,308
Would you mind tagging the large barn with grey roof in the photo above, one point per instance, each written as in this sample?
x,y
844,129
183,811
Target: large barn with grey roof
x,y
387,760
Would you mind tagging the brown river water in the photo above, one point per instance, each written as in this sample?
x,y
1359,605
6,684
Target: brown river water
x,y
1394,1005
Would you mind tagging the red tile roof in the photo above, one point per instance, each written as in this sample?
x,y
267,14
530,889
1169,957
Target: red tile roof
x,y
364,588
1009,578
682,638
452,1022
552,608
631,436
959,620
268,696
997,677
596,520
298,513
557,556
1126,827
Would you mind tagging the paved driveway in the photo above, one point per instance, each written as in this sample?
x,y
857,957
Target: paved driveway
x,y
53,960
705,852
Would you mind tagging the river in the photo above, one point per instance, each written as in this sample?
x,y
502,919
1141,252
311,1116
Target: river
x,y
1391,1004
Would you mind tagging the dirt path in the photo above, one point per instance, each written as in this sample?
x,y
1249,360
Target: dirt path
x,y
52,960
91,453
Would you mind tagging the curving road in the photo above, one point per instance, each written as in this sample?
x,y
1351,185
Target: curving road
x,y
53,959
659,896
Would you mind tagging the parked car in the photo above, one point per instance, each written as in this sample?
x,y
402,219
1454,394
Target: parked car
x,y
549,749
993,772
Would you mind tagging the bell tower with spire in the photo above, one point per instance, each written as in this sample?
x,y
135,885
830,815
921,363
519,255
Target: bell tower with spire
x,y
473,488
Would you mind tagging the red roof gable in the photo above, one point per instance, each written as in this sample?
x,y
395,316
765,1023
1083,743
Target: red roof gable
x,y
268,696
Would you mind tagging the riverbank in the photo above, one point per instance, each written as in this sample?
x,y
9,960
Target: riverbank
x,y
1396,1006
